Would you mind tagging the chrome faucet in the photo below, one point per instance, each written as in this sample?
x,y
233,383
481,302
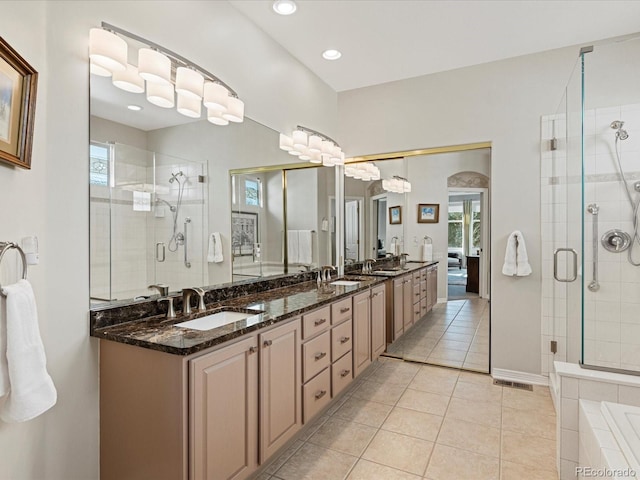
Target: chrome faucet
x,y
367,266
171,312
403,259
186,300
163,289
325,273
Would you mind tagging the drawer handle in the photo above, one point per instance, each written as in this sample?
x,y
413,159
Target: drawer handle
x,y
418,312
268,343
344,309
375,294
344,339
344,373
320,394
253,349
320,356
417,294
319,322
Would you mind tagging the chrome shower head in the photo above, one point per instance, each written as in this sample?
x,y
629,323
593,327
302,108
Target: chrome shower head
x,y
621,133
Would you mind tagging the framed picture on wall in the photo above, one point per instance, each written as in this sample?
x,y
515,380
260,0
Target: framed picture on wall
x,y
428,212
18,83
395,215
244,233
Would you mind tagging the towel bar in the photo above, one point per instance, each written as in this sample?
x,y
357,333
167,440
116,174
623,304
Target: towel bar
x,y
4,247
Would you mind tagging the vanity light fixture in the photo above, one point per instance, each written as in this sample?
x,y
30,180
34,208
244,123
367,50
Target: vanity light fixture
x,y
365,171
397,185
107,52
331,54
166,74
284,7
312,146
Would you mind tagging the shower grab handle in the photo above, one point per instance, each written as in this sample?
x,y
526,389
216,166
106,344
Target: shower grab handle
x,y
575,265
593,209
187,263
160,258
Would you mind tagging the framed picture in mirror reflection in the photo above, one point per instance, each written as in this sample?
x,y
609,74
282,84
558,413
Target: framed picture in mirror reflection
x,y
244,233
395,215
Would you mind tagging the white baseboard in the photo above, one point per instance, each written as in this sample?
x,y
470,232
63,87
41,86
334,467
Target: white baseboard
x,y
442,300
520,377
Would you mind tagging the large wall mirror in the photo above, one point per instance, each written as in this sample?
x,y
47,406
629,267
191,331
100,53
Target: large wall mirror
x,y
161,195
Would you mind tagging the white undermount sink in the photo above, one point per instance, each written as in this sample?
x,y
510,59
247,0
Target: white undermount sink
x,y
345,283
215,320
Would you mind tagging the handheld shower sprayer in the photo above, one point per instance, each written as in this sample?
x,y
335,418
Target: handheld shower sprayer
x,y
621,133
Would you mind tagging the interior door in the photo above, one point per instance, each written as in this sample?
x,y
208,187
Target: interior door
x,y
352,229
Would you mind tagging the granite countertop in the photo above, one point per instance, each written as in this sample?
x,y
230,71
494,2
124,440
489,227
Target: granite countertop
x,y
270,307
409,267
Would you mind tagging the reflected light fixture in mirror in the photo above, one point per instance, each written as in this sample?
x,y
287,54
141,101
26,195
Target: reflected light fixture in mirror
x,y
312,146
397,185
108,57
366,171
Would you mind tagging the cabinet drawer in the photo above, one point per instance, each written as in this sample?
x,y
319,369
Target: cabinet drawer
x,y
417,312
316,322
423,274
423,306
316,355
341,310
341,341
423,289
341,374
416,276
316,395
416,292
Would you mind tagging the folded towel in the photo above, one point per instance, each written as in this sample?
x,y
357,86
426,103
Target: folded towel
x,y
426,252
516,260
4,367
305,251
31,390
522,259
293,246
215,248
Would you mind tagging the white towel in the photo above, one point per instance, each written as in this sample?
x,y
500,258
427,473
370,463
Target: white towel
x,y
426,252
31,390
215,248
516,261
305,247
293,246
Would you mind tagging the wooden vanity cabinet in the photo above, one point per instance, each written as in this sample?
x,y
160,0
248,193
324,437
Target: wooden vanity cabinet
x,y
407,301
378,321
432,286
224,406
361,332
398,308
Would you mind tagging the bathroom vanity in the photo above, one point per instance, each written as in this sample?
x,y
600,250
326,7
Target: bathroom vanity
x,y
177,403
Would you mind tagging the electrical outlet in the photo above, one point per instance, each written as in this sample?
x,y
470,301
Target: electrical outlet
x,y
437,255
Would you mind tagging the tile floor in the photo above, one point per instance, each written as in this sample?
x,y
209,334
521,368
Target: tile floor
x,y
454,334
403,420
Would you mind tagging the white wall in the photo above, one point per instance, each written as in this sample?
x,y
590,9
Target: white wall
x,y
51,200
501,102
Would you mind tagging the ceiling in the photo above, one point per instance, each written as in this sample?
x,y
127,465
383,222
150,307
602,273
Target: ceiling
x,y
383,41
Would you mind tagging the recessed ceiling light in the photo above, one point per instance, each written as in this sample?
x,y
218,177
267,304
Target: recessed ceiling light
x,y
331,54
135,108
284,7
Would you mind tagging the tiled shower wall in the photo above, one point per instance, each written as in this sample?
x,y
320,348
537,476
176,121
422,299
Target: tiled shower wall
x,y
612,322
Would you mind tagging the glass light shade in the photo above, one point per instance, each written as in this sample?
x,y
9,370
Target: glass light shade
x,y
98,70
284,7
154,67
407,187
300,139
315,144
304,154
286,142
189,106
160,95
215,117
385,185
366,176
235,111
216,96
328,162
107,52
315,158
294,151
189,83
327,147
349,171
339,160
128,80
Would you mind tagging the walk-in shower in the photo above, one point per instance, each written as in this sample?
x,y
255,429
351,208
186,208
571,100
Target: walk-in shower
x,y
149,217
590,194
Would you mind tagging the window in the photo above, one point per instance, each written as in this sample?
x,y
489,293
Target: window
x,y
455,228
99,164
252,191
475,227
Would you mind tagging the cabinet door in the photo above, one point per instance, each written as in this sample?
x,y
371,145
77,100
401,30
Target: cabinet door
x,y
407,303
361,332
398,308
280,383
378,341
432,287
224,412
